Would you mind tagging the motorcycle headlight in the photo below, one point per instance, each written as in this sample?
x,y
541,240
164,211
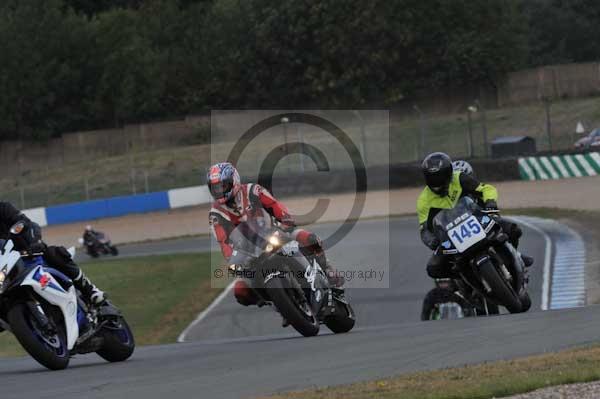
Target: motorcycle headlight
x,y
2,279
269,248
274,240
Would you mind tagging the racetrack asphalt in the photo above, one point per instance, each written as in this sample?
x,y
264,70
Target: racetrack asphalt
x,y
243,352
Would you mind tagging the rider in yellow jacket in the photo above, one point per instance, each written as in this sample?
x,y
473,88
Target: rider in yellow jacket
x,y
444,187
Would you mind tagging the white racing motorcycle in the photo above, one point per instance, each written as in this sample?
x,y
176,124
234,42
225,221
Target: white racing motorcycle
x,y
41,307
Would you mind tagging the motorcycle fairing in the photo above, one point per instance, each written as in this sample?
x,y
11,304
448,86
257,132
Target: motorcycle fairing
x,y
46,286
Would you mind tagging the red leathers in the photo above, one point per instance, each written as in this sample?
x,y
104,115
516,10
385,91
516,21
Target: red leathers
x,y
249,202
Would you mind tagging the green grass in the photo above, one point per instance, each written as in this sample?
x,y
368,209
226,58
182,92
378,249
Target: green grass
x,y
183,166
159,295
491,380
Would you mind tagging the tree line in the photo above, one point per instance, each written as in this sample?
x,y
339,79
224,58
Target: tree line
x,y
71,65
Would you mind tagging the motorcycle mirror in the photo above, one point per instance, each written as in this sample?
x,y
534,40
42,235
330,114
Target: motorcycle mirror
x,y
17,228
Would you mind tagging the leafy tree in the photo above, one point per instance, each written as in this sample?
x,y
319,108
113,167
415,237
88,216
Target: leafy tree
x,y
563,31
93,7
44,54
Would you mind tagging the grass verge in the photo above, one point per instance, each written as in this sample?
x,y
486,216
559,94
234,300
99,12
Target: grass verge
x,y
159,295
490,380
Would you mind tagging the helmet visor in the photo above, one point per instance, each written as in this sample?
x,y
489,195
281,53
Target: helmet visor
x,y
221,189
438,183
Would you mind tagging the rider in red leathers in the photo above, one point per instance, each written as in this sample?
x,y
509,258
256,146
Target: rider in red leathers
x,y
235,203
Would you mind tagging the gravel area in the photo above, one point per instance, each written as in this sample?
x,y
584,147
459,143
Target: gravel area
x,y
589,390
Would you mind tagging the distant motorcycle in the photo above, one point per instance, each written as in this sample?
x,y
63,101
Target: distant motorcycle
x,y
297,287
491,270
41,307
99,244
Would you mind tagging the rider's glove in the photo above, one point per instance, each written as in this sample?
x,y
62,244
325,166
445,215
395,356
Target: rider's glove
x,y
434,244
287,228
491,206
37,247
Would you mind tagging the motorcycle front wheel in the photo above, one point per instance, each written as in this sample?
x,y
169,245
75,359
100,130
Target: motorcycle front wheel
x,y
438,296
292,305
47,348
501,289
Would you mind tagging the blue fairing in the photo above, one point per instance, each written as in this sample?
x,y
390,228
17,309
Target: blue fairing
x,y
64,281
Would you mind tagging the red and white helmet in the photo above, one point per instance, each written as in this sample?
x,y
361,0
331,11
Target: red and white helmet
x,y
223,181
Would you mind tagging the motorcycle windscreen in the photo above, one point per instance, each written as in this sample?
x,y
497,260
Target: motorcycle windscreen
x,y
250,238
449,217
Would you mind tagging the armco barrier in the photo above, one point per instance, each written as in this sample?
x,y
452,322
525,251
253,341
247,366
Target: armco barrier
x,y
559,166
111,207
119,206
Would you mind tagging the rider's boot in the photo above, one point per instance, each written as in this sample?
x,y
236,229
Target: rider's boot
x,y
245,295
335,280
527,260
90,293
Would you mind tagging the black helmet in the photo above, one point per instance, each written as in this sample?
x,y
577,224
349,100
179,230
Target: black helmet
x,y
437,169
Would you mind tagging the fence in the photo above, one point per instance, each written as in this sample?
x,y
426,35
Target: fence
x,y
165,166
152,157
552,124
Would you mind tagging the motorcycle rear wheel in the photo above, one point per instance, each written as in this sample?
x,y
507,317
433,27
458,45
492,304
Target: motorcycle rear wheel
x,y
525,302
342,320
113,250
119,343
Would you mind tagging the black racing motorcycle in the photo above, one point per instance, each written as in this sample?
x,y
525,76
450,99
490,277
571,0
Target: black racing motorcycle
x,y
99,244
489,270
283,277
